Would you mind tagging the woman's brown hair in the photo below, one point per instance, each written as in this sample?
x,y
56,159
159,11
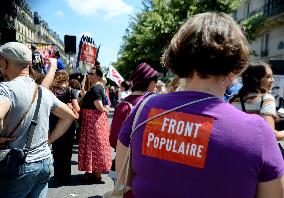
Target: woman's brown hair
x,y
208,44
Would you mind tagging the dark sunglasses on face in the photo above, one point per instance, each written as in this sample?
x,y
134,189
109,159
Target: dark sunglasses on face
x,y
90,73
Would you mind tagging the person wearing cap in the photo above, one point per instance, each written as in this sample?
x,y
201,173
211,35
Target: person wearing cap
x,y
37,59
196,144
144,79
15,96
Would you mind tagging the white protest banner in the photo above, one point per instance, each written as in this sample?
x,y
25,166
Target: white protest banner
x,y
114,75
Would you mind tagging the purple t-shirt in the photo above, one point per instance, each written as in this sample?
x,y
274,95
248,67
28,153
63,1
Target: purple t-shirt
x,y
208,149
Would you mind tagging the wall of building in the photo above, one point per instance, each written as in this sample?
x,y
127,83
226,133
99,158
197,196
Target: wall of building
x,y
269,44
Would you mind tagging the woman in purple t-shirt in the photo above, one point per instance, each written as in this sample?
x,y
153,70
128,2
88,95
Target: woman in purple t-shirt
x,y
209,148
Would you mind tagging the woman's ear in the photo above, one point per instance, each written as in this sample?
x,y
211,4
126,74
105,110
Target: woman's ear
x,y
231,78
6,64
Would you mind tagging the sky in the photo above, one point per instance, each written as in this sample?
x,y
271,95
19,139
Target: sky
x,y
104,20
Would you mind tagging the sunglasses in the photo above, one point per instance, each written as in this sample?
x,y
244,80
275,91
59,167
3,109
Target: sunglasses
x,y
90,73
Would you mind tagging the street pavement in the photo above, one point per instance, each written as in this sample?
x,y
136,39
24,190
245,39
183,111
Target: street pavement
x,y
79,188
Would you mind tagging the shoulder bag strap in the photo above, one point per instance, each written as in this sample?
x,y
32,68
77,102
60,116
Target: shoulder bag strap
x,y
126,102
261,101
124,175
34,120
163,113
242,103
24,115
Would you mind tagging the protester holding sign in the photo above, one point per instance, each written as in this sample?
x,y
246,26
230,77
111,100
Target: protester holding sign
x,y
202,146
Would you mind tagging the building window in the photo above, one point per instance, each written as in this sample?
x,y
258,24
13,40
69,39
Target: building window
x,y
247,9
234,15
265,44
268,7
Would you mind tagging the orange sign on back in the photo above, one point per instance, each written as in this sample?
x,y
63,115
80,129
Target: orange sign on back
x,y
177,137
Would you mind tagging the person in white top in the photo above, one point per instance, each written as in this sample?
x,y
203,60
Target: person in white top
x,y
257,83
124,90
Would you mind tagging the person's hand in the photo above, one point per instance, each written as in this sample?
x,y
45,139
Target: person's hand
x,y
4,141
105,110
53,62
74,111
82,93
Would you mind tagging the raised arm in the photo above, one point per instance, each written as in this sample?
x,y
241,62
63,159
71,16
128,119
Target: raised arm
x,y
48,79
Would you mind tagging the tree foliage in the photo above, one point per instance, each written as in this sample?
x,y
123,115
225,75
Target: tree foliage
x,y
251,24
151,29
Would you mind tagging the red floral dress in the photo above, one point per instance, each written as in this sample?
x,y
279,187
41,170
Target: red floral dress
x,y
94,147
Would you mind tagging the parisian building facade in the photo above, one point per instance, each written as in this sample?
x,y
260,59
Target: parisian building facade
x,y
269,43
19,23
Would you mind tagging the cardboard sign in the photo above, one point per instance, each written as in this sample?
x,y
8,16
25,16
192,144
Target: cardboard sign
x,y
88,53
177,137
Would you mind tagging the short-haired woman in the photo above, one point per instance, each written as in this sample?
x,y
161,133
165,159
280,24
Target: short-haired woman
x,y
206,148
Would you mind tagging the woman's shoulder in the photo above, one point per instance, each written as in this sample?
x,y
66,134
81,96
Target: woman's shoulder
x,y
268,96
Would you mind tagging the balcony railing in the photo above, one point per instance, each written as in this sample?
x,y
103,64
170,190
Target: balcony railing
x,y
264,52
270,9
26,22
23,5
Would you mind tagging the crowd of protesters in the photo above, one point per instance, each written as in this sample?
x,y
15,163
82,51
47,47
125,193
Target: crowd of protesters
x,y
184,129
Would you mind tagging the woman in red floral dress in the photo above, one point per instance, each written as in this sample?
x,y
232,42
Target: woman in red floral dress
x,y
94,147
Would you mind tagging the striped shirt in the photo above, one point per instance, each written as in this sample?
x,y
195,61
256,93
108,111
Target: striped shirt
x,y
257,104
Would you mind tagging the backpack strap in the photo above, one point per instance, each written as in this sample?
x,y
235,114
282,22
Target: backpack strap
x,y
242,103
128,103
130,106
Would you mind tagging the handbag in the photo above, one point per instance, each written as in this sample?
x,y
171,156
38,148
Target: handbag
x,y
12,161
123,183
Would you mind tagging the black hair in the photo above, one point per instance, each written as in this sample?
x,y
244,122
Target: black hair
x,y
99,72
251,78
126,85
57,54
143,86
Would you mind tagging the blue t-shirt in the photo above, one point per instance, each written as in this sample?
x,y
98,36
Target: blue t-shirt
x,y
232,90
60,65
